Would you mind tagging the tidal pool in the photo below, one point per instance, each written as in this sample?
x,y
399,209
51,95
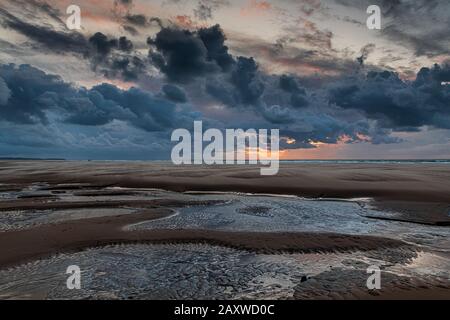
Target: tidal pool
x,y
291,214
194,271
200,271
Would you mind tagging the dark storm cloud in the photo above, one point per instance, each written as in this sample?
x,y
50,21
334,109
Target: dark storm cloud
x,y
374,105
395,104
30,93
214,40
245,79
182,54
277,114
112,57
174,93
359,108
289,84
104,46
299,100
433,76
34,94
142,109
242,86
125,44
247,86
281,103
221,92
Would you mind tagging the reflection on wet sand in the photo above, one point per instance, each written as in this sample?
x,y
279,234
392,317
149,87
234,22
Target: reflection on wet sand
x,y
147,243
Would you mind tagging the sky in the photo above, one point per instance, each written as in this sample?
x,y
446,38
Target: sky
x,y
139,69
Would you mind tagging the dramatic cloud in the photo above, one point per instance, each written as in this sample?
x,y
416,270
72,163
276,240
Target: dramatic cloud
x,y
289,84
213,39
294,75
242,86
244,78
182,54
114,58
35,95
174,93
32,93
396,104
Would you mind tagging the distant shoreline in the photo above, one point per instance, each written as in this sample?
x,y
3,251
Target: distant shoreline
x,y
331,161
31,159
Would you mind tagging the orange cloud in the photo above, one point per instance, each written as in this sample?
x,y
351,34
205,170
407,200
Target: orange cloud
x,y
186,22
322,150
255,7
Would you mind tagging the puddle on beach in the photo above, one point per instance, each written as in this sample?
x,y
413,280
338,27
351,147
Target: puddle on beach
x,y
238,212
198,271
186,271
256,213
21,219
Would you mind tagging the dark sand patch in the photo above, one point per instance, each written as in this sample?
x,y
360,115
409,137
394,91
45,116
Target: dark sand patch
x,y
10,188
10,205
104,193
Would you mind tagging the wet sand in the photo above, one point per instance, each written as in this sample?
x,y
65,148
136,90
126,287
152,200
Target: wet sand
x,y
41,242
421,192
414,193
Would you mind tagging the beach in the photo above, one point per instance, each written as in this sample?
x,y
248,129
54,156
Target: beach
x,y
323,224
